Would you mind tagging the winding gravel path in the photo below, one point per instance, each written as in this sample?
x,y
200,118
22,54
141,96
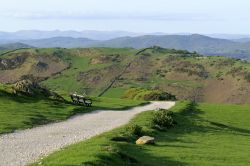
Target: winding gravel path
x,y
26,146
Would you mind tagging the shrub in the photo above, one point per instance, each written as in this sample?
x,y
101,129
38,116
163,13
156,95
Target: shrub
x,y
135,130
131,93
148,95
163,119
158,95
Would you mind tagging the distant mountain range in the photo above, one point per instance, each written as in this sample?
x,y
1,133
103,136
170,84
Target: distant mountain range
x,y
242,40
91,34
199,43
96,35
237,47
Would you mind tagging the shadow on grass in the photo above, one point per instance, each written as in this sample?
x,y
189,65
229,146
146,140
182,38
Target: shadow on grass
x,y
189,121
61,104
131,154
19,98
231,128
38,119
23,98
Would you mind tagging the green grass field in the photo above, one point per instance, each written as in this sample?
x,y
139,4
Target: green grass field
x,y
20,112
206,134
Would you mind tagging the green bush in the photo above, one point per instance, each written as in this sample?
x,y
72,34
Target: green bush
x,y
159,96
163,119
134,130
148,95
132,93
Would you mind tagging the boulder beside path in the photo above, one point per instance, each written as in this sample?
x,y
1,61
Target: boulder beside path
x,y
145,140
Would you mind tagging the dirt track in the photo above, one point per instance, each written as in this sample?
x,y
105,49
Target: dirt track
x,y
26,146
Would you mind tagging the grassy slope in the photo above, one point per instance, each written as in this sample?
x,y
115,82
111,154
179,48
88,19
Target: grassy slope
x,y
207,134
177,72
80,60
169,70
25,112
68,82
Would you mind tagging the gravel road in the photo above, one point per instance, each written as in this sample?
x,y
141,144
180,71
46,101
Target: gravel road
x,y
26,146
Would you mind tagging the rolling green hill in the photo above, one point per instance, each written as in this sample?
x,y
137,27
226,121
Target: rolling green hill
x,y
115,70
186,75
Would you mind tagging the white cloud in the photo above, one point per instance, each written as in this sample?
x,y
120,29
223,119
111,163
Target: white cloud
x,y
108,16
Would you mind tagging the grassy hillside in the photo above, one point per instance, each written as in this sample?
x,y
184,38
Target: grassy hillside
x,y
20,112
205,134
91,70
90,60
186,75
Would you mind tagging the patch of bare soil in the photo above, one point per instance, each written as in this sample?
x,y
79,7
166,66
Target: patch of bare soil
x,y
227,91
12,63
100,76
106,59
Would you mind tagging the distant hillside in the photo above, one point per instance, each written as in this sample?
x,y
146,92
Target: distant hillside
x,y
13,46
202,44
96,35
228,36
91,34
64,42
199,43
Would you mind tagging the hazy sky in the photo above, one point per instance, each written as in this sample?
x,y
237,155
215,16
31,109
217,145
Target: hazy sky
x,y
171,16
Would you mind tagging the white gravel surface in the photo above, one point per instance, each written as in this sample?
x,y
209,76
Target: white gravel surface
x,y
26,146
